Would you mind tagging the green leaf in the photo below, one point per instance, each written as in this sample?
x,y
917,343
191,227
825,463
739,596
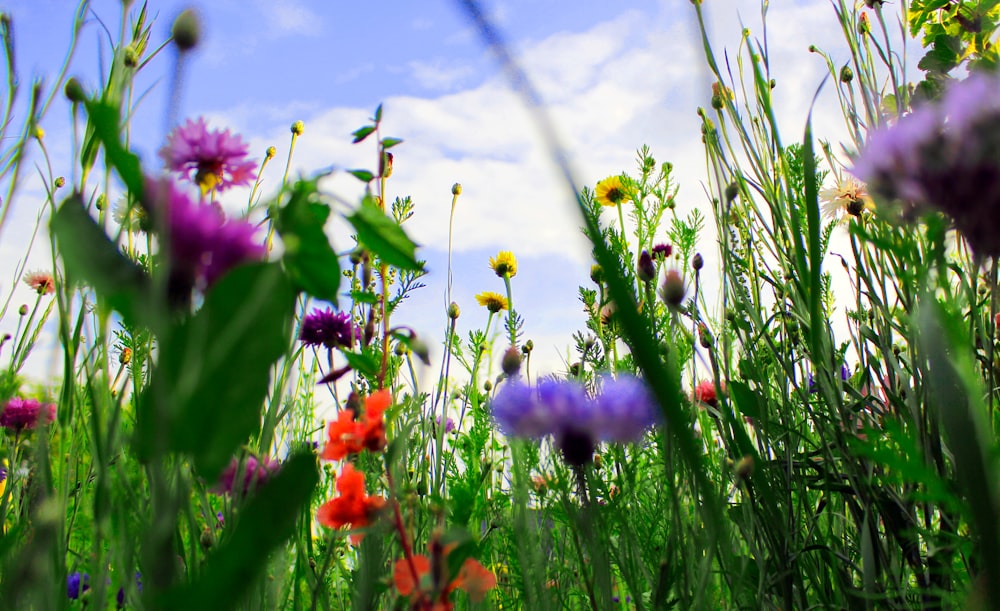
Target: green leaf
x,y
362,175
106,123
89,254
378,114
265,523
364,132
214,369
364,297
384,237
365,363
388,143
749,401
310,260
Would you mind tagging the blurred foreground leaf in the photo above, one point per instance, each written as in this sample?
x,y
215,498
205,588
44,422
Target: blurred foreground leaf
x,y
384,237
309,258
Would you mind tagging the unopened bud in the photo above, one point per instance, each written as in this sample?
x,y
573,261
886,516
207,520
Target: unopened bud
x,y
704,336
487,386
125,357
186,30
454,311
270,152
59,182
597,274
23,310
456,189
385,168
38,133
846,74
102,201
298,127
130,57
74,91
511,361
732,190
672,291
420,349
645,270
744,468
697,262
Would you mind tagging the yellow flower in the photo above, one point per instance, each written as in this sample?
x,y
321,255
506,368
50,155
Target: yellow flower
x,y
847,196
504,264
494,302
611,192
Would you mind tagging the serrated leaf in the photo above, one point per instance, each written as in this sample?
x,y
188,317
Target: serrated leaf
x,y
88,254
266,522
105,120
364,297
214,369
388,143
362,175
384,237
310,260
362,133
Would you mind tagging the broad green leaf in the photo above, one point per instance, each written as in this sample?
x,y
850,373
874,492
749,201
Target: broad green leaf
x,y
265,523
105,121
88,254
362,175
388,143
310,260
214,369
747,400
384,237
365,363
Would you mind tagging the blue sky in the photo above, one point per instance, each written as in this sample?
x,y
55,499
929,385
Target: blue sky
x,y
615,76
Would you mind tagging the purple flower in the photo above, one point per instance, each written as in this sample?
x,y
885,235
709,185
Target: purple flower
x,y
76,584
211,159
204,244
255,474
844,374
449,424
662,251
945,157
120,597
20,414
329,328
623,411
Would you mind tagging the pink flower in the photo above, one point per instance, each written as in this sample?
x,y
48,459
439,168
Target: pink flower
x,y
216,159
41,282
20,414
255,474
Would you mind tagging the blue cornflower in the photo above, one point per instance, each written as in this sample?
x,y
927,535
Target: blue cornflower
x,y
844,374
76,584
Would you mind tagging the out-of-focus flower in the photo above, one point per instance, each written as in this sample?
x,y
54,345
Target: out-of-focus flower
x,y
662,251
3,476
847,197
449,424
204,244
645,269
76,584
944,157
494,302
40,282
504,264
432,587
353,507
329,328
212,159
120,597
255,474
611,191
624,410
704,392
19,414
347,435
844,374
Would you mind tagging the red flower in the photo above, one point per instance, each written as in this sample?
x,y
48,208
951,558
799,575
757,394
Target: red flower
x,y
353,507
473,577
704,392
345,435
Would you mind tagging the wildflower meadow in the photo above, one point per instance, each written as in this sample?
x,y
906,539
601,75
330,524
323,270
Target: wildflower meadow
x,y
783,395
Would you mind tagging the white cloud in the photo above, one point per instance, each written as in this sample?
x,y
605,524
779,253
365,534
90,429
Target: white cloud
x,y
283,17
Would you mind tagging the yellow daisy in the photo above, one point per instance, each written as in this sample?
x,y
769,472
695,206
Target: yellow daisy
x,y
847,196
494,302
504,264
611,191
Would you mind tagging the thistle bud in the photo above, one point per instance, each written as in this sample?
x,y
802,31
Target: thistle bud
x,y
697,262
74,91
511,362
673,290
186,30
645,270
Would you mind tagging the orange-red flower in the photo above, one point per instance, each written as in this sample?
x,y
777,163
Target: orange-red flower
x,y
473,578
353,507
346,435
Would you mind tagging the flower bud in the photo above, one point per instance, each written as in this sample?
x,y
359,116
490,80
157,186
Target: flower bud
x,y
645,270
744,468
186,30
673,290
74,91
130,57
697,262
487,386
298,127
125,357
846,74
270,152
420,349
454,311
59,182
732,190
456,189
597,274
511,362
23,310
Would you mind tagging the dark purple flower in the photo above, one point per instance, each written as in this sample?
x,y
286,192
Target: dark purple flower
x,y
20,414
945,157
120,597
76,584
662,251
211,159
645,269
329,328
255,474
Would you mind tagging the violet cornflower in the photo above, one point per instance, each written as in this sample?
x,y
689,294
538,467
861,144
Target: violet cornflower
x,y
944,157
76,584
255,474
19,414
329,328
212,159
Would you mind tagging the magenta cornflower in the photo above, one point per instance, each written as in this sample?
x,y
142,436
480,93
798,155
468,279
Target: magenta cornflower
x,y
329,328
20,414
662,251
212,159
255,474
204,244
944,157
